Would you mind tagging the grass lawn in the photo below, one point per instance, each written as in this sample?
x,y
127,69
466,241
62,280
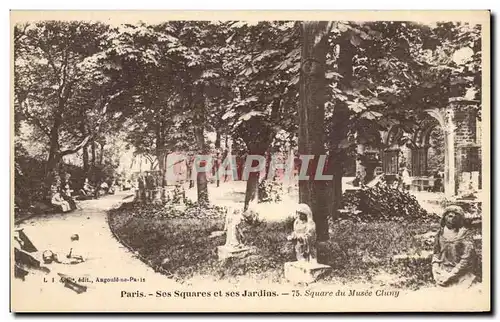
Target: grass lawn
x,y
357,251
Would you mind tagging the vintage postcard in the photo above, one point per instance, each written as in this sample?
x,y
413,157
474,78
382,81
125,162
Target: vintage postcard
x,y
232,161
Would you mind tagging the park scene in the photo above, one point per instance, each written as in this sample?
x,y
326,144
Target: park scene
x,y
190,151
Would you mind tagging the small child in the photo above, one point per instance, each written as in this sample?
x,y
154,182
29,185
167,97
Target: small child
x,y
74,258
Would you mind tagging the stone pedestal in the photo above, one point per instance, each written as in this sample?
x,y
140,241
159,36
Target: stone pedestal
x,y
305,272
225,252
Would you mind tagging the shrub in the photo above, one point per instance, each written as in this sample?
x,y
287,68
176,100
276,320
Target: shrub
x,y
193,210
178,196
383,202
252,218
270,191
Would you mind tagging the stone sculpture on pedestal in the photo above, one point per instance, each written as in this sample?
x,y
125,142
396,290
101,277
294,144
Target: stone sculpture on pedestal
x,y
306,269
234,246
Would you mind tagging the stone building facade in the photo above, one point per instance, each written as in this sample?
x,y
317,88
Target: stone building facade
x,y
461,128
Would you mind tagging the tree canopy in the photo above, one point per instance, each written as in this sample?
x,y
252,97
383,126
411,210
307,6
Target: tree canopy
x,y
166,86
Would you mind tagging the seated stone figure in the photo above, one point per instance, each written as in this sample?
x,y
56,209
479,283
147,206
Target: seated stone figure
x,y
454,254
304,235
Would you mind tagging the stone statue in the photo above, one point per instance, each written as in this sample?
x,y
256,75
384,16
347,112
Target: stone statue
x,y
233,233
454,251
304,235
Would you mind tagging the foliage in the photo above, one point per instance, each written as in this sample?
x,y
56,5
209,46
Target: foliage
x,y
265,65
178,196
435,159
28,177
166,85
399,69
252,218
270,191
170,210
383,202
30,197
57,84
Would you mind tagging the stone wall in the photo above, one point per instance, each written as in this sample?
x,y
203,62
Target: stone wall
x,y
467,149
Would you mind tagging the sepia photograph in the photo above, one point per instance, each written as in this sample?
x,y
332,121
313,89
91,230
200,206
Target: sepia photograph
x,y
250,161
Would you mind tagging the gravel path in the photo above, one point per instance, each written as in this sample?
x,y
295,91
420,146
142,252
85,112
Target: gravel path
x,y
106,258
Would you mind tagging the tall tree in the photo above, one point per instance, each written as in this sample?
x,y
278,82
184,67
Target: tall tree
x,y
52,78
312,118
264,58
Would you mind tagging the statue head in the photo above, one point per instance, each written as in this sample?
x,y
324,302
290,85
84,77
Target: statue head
x,y
304,212
453,217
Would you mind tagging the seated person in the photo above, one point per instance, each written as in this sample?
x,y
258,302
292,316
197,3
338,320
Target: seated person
x,y
127,185
87,189
104,187
67,195
112,189
58,201
454,255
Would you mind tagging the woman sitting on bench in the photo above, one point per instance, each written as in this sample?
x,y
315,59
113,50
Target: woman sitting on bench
x,y
87,189
58,201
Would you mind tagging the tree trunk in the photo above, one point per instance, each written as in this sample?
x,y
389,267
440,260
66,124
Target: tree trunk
x,y
201,177
216,160
216,169
54,154
160,155
218,136
85,152
268,165
161,152
93,153
311,119
101,154
334,187
189,168
252,187
92,171
289,179
340,127
252,190
85,156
